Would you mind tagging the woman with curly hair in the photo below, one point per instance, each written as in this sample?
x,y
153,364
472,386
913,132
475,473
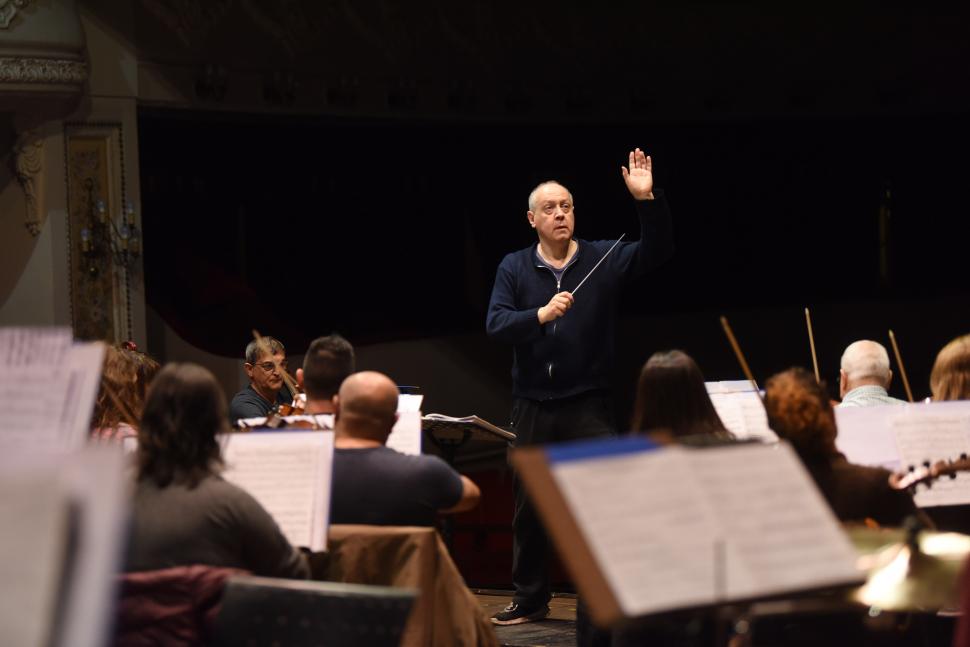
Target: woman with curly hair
x,y
184,512
125,376
800,412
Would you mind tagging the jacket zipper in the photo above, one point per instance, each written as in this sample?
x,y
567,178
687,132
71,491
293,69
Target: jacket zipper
x,y
555,324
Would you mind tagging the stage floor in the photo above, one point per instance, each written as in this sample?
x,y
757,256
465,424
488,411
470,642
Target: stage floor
x,y
557,630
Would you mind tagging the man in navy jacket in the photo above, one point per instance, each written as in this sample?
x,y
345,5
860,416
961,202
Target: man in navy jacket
x,y
564,345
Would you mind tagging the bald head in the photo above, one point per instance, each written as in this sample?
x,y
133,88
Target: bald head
x,y
366,406
865,362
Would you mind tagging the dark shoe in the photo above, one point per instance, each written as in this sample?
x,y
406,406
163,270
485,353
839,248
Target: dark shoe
x,y
516,615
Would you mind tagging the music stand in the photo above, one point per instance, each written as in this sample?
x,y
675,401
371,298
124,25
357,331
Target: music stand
x,y
451,435
271,611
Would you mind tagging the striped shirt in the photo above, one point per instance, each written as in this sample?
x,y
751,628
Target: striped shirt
x,y
870,395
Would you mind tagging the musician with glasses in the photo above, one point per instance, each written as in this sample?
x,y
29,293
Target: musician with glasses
x,y
265,364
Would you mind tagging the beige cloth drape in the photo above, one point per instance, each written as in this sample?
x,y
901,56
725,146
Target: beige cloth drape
x,y
446,612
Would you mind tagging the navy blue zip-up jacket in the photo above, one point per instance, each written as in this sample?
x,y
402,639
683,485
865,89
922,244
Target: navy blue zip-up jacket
x,y
574,353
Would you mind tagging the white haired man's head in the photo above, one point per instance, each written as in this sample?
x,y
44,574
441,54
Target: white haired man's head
x,y
864,362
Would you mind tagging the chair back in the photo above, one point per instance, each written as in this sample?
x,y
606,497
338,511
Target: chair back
x,y
171,606
270,611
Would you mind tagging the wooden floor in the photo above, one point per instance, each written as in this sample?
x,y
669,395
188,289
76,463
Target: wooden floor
x,y
557,630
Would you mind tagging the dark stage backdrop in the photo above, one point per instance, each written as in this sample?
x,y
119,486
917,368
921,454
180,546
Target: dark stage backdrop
x,y
392,229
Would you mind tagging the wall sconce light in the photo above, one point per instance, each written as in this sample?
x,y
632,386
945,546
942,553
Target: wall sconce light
x,y
104,238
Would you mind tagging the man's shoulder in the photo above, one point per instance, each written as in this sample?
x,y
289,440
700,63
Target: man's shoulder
x,y
247,394
519,256
391,458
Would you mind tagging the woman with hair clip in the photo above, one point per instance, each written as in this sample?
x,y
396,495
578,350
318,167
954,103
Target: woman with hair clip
x,y
125,376
184,513
672,403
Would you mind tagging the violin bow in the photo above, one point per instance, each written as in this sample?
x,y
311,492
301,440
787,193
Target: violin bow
x,y
811,343
287,378
902,369
737,352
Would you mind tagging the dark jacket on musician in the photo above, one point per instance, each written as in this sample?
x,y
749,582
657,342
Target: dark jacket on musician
x,y
573,354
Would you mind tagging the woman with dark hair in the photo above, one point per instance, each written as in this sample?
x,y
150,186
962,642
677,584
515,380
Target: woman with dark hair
x,y
672,398
184,512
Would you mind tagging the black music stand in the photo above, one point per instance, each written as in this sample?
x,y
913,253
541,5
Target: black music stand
x,y
467,435
451,435
271,611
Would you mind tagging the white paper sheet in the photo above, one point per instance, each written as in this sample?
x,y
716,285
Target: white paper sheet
x,y
928,434
47,389
743,413
675,528
406,435
779,531
407,403
865,436
289,473
33,533
95,483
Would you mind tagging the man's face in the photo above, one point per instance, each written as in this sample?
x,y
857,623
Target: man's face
x,y
553,217
266,373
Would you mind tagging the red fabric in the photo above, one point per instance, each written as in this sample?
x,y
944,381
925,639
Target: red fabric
x,y
172,606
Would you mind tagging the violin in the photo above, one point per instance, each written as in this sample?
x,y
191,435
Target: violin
x,y
927,473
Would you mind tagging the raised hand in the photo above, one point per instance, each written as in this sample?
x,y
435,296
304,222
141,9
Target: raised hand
x,y
557,307
639,177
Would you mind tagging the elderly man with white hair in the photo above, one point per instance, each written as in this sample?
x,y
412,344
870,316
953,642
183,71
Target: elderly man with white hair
x,y
865,375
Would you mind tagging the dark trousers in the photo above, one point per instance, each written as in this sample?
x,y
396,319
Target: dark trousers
x,y
535,423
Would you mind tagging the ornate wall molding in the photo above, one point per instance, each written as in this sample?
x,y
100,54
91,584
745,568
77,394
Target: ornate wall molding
x,y
8,11
42,70
29,167
100,299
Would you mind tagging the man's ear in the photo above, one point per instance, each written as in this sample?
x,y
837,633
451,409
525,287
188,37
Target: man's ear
x,y
249,370
532,218
889,380
843,382
299,377
336,406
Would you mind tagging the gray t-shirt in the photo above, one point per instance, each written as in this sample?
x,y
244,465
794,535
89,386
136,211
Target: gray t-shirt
x,y
215,523
379,486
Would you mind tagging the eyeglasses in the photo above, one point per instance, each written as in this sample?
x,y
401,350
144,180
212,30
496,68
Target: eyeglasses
x,y
269,367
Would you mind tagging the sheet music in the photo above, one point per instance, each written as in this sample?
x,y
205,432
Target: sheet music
x,y
865,436
96,477
743,413
289,474
780,532
642,522
93,480
407,402
932,435
47,388
729,386
33,531
675,528
406,435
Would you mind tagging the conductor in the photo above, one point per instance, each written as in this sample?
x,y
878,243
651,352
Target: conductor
x,y
564,343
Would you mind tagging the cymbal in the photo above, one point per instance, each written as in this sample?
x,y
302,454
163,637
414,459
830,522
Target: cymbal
x,y
901,579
